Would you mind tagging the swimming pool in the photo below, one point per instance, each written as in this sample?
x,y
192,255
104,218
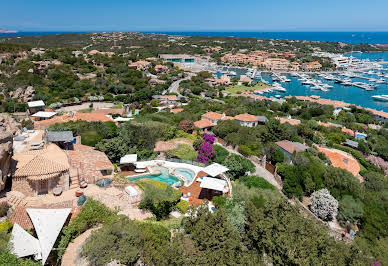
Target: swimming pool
x,y
169,179
164,176
186,173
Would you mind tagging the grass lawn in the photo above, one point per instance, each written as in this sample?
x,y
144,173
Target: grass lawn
x,y
242,88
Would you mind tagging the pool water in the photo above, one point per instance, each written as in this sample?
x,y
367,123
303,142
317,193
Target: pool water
x,y
186,173
164,177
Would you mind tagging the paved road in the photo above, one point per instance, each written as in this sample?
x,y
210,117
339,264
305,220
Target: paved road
x,y
259,171
175,85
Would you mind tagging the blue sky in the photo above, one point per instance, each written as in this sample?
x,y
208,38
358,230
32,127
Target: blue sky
x,y
194,15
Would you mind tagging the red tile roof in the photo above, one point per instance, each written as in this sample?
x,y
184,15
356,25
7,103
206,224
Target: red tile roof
x,y
177,110
246,118
341,160
348,131
203,124
212,116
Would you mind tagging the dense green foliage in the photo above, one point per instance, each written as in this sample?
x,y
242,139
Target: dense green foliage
x,y
158,197
92,214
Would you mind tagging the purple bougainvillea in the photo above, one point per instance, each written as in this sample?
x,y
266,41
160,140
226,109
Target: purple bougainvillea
x,y
205,151
208,138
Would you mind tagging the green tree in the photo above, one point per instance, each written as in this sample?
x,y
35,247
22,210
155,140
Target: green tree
x,y
350,210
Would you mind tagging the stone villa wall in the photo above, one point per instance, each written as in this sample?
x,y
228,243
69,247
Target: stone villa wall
x,y
29,188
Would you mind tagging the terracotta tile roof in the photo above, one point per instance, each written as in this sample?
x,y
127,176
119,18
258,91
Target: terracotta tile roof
x,y
89,161
90,117
203,124
212,116
291,147
293,122
227,118
348,131
341,160
169,97
177,110
246,118
41,164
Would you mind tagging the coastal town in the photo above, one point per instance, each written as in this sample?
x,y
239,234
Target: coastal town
x,y
156,146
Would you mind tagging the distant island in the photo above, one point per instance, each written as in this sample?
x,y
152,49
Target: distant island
x,y
7,31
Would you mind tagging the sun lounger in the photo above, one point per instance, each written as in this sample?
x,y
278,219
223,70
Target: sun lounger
x,y
140,170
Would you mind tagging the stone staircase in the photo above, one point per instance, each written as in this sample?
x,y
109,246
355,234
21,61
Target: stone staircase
x,y
74,178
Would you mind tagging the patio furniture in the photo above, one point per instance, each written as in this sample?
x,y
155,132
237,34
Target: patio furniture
x,y
57,191
79,192
83,184
104,182
140,170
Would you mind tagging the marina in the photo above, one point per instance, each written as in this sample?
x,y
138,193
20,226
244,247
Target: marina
x,y
359,87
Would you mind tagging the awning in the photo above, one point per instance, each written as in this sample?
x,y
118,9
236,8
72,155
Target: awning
x,y
44,114
214,184
36,103
48,224
123,119
215,169
22,243
129,158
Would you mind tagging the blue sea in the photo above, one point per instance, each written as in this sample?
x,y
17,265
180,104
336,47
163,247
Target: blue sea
x,y
346,37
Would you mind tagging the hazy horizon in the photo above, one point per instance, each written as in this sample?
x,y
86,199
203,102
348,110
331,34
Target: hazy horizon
x,y
200,15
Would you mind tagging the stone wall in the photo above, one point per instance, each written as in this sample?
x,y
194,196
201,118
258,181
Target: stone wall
x,y
6,152
8,128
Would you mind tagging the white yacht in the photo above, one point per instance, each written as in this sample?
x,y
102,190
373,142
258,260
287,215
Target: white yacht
x,y
383,98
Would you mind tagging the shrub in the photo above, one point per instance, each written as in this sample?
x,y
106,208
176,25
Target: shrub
x,y
219,201
238,165
256,182
349,210
375,181
92,213
182,206
324,205
159,199
119,240
184,152
205,152
5,226
220,154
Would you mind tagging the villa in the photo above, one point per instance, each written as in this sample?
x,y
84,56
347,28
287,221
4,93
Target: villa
x,y
140,65
212,117
38,172
203,124
289,147
247,120
293,122
312,66
342,160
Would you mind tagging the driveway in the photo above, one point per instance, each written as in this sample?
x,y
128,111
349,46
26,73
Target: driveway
x,y
175,85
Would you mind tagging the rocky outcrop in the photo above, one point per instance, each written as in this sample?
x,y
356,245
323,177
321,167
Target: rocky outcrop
x,y
6,141
23,94
8,128
8,124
